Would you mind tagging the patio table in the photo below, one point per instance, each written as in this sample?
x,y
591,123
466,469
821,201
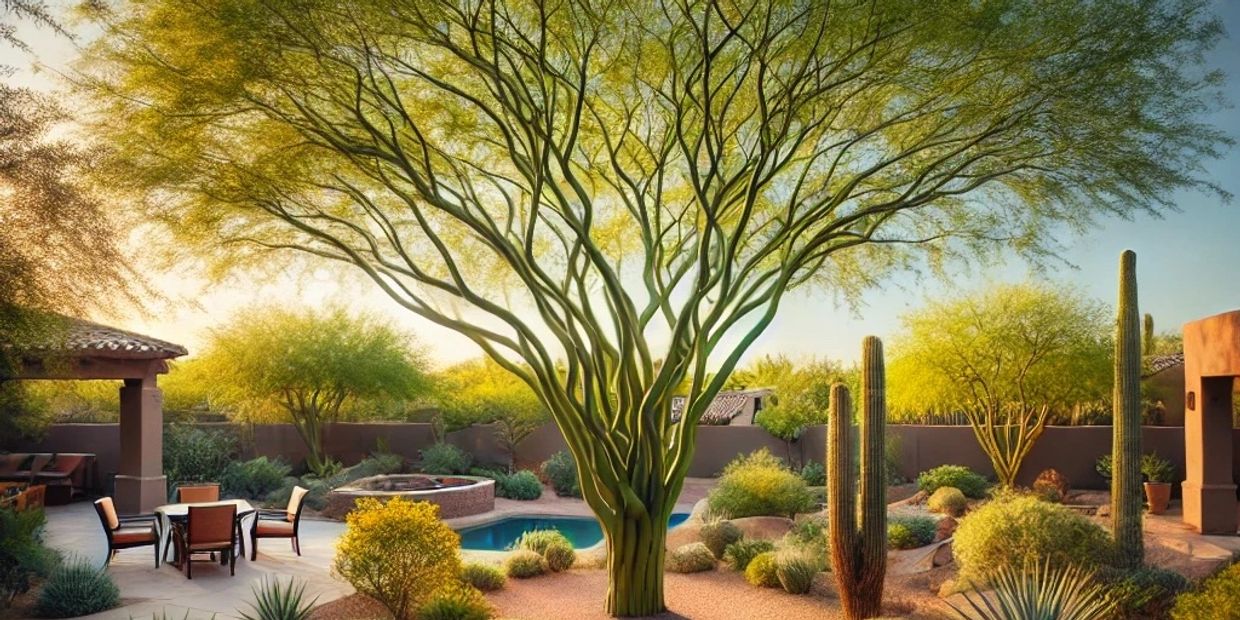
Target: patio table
x,y
179,513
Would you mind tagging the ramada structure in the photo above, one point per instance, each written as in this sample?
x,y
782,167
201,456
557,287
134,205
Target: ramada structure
x,y
80,350
1211,364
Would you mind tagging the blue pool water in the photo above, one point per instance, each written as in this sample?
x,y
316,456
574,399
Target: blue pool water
x,y
500,535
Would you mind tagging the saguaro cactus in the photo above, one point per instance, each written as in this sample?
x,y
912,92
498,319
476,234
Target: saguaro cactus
x,y
1126,444
1147,335
859,541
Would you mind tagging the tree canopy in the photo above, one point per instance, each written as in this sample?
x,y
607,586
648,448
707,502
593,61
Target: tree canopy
x,y
619,195
305,366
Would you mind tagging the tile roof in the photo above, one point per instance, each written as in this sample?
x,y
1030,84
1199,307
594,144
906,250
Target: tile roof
x,y
88,339
1155,364
722,409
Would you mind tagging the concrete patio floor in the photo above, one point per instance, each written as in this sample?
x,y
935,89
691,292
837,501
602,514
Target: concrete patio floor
x,y
148,592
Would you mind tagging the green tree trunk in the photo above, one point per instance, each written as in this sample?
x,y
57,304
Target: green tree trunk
x,y
635,551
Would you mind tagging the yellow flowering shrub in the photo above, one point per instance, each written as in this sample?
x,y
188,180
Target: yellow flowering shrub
x,y
398,553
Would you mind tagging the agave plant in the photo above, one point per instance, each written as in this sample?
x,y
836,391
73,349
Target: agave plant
x,y
1040,592
276,601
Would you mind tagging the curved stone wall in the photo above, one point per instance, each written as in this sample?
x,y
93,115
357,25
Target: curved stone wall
x,y
453,501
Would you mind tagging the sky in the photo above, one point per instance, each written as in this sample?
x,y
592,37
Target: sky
x,y
1187,260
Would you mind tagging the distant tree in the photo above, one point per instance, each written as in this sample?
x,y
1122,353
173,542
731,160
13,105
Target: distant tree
x,y
304,366
1005,356
801,394
610,197
484,392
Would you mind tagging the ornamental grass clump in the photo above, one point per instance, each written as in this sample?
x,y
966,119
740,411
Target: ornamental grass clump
x,y
457,601
398,553
717,535
759,485
560,556
739,554
796,570
485,577
77,589
690,558
1012,531
274,600
524,564
1040,592
538,540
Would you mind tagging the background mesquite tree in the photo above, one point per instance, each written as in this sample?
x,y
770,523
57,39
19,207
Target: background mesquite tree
x,y
859,537
612,199
1126,497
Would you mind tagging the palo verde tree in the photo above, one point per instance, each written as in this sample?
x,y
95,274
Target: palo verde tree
x,y
610,198
1005,357
305,367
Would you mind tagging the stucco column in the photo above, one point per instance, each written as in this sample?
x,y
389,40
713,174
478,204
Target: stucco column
x,y
140,483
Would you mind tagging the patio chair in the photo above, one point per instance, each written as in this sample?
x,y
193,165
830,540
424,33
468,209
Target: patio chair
x,y
208,529
279,523
127,532
198,492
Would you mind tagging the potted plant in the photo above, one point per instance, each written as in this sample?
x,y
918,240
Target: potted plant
x,y
1158,474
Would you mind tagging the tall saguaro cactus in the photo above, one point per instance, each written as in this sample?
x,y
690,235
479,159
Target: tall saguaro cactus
x,y
859,541
1126,444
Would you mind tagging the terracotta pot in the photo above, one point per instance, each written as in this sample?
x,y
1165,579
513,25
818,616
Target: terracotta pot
x,y
1158,494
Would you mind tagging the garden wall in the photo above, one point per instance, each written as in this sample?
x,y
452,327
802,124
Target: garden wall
x,y
1070,449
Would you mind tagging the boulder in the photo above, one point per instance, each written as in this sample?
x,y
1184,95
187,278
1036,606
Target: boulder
x,y
764,528
688,532
943,555
946,529
698,513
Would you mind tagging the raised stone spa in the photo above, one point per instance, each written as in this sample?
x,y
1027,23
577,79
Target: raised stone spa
x,y
457,496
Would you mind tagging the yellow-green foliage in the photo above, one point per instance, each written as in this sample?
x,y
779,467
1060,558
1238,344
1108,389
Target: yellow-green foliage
x,y
485,577
1012,530
1217,596
739,554
949,501
763,571
398,553
458,601
538,540
759,485
690,558
523,564
559,556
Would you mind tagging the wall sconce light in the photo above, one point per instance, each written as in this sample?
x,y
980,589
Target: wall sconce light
x,y
1190,401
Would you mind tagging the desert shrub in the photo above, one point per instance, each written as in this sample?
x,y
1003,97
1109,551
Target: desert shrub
x,y
523,564
1146,592
814,474
763,571
717,535
759,485
905,532
485,577
253,479
456,602
539,540
690,558
1103,466
739,554
193,454
560,556
279,601
948,500
971,483
398,553
446,459
796,570
76,589
522,485
1214,597
1051,486
377,464
561,473
1013,530
22,553
812,529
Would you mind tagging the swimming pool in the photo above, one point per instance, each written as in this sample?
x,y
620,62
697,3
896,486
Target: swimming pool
x,y
500,535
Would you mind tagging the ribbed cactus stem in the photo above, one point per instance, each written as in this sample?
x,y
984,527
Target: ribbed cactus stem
x,y
1126,444
1147,335
859,539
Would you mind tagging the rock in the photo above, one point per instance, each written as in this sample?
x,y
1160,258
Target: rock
x,y
943,555
918,498
698,513
1103,511
945,529
688,532
764,528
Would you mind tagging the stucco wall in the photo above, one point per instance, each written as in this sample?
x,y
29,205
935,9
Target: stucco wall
x,y
1070,449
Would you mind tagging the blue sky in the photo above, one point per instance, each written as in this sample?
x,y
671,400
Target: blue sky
x,y
1188,261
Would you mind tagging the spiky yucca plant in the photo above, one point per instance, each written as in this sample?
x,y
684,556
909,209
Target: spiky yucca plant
x,y
276,601
1040,592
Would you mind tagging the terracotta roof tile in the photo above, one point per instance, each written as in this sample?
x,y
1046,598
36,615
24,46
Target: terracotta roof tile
x,y
1155,364
89,339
